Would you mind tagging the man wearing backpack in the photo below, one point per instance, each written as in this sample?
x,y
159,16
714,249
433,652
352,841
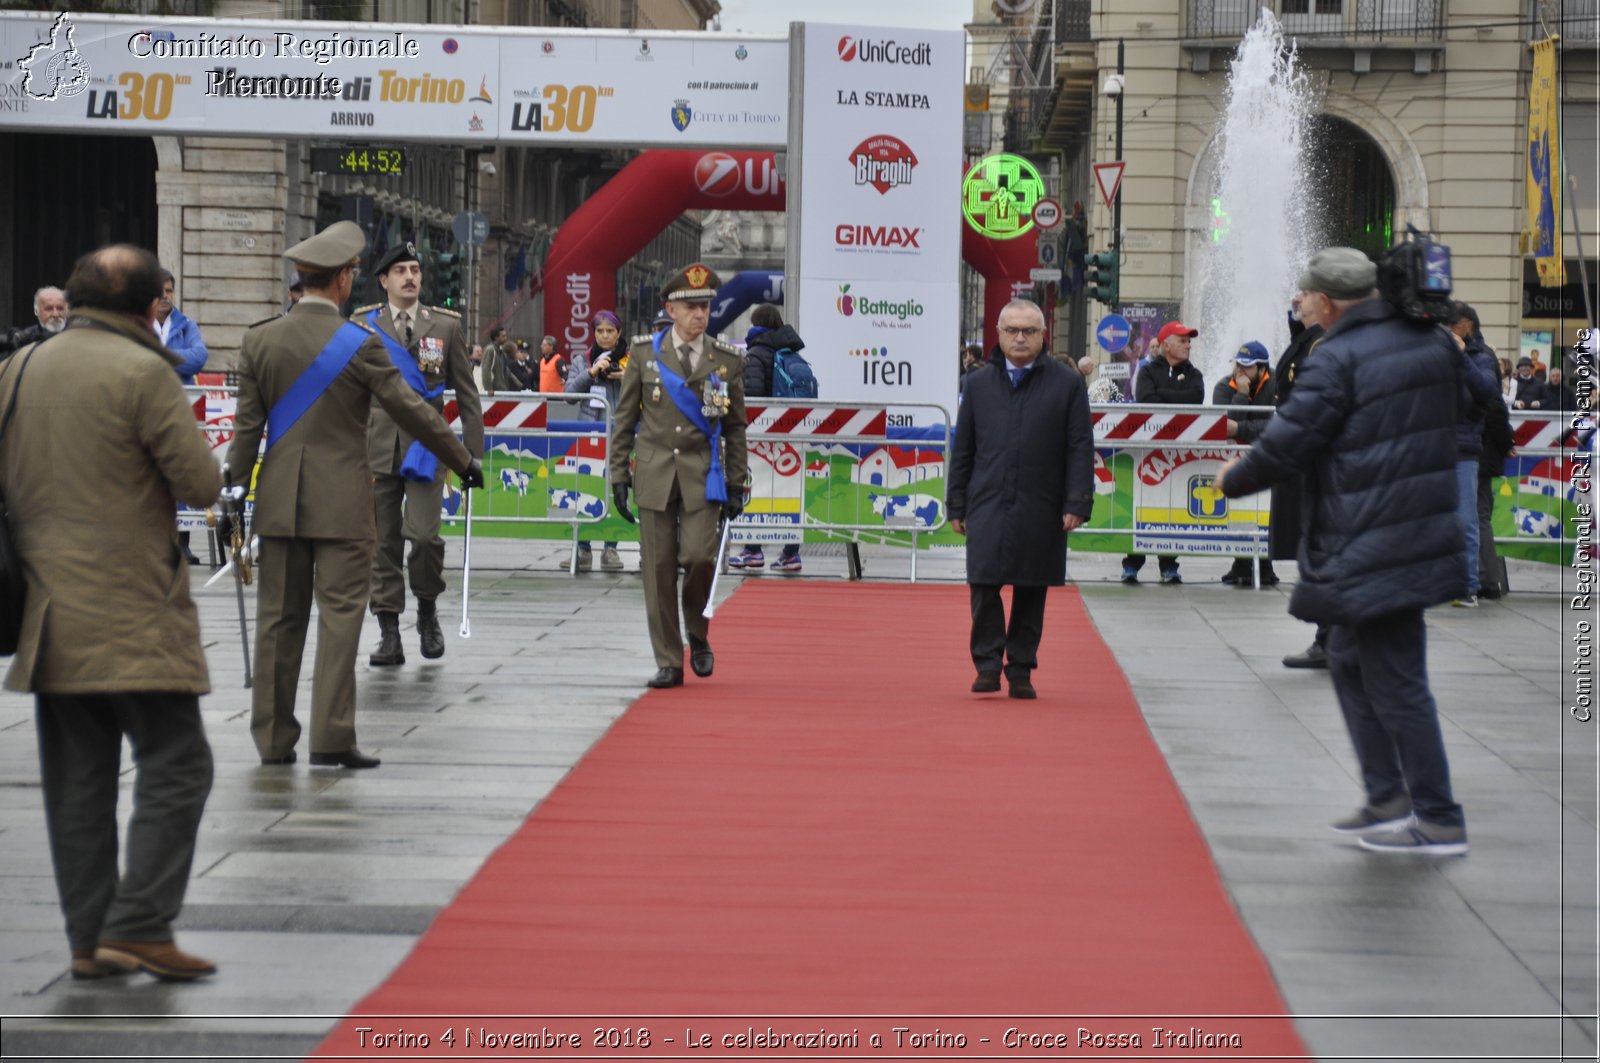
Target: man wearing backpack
x,y
773,368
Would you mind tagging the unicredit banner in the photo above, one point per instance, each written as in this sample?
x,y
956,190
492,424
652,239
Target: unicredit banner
x,y
879,240
355,81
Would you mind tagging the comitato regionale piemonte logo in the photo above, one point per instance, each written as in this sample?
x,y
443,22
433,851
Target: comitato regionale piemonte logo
x,y
54,69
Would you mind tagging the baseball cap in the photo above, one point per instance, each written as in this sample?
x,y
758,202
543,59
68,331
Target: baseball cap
x,y
1175,328
1253,353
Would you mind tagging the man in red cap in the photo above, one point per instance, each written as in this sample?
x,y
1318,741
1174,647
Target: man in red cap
x,y
1168,377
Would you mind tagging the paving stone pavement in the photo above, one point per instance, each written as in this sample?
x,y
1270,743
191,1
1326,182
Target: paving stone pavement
x,y
310,886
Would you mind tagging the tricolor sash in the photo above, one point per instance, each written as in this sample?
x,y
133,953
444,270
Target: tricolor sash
x,y
420,463
312,384
689,405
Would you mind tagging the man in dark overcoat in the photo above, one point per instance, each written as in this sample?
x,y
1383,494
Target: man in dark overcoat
x,y
1021,478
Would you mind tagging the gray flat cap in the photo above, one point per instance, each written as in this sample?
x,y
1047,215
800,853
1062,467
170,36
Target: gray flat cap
x,y
1340,273
338,245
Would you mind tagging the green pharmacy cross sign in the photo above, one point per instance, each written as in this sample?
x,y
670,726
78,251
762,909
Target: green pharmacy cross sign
x,y
998,196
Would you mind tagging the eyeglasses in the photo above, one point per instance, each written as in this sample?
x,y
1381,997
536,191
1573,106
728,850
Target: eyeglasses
x,y
1024,333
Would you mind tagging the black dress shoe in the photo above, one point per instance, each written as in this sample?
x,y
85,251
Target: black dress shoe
x,y
1313,657
667,677
1022,686
389,651
701,659
350,758
986,683
428,628
287,758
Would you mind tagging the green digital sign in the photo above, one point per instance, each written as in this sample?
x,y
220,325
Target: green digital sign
x,y
998,196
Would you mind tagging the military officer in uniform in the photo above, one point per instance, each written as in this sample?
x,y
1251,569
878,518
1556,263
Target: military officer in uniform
x,y
429,347
309,378
682,407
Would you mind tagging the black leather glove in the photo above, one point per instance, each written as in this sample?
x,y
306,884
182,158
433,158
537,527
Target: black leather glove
x,y
619,498
732,508
473,477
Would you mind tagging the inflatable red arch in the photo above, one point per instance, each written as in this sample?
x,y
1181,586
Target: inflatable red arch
x,y
648,194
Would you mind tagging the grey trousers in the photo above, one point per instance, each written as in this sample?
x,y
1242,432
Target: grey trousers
x,y
80,758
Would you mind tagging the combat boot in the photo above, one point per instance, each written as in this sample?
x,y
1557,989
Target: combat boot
x,y
389,651
428,628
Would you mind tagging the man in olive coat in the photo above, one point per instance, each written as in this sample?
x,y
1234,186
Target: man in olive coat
x,y
1021,478
313,508
429,347
101,446
690,468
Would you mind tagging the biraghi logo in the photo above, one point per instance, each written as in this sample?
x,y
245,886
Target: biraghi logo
x,y
883,161
893,53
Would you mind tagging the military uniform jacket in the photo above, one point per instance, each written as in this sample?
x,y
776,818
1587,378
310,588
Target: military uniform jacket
x,y
102,444
316,483
439,331
668,444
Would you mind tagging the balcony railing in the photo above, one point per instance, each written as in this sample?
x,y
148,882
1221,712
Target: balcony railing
x,y
1577,21
1072,21
1324,23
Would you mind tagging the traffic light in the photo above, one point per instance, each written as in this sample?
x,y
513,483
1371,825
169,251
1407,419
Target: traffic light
x,y
447,279
1101,277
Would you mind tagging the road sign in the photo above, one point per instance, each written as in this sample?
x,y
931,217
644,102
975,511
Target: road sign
x,y
1047,276
1113,333
1047,213
471,227
1108,175
1049,253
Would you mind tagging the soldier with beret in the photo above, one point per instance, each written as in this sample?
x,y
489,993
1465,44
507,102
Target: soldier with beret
x,y
429,347
309,379
682,408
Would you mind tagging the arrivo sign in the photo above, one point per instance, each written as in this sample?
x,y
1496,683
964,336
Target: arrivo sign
x,y
883,161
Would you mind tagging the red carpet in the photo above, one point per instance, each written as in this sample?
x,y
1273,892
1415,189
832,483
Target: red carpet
x,y
834,827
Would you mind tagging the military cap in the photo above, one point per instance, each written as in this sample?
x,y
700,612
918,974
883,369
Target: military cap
x,y
338,245
1340,273
662,320
295,283
406,252
692,283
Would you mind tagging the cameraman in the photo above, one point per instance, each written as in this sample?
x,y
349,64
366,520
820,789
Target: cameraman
x,y
599,372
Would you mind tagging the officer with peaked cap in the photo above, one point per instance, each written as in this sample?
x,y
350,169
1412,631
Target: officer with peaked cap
x,y
429,347
682,406
309,379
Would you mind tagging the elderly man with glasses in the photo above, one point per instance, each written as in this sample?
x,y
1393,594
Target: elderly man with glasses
x,y
1021,478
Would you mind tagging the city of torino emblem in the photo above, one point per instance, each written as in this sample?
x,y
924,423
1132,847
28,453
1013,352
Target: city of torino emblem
x,y
682,114
697,276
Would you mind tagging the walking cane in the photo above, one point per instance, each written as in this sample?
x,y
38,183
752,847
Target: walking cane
x,y
716,572
232,503
466,564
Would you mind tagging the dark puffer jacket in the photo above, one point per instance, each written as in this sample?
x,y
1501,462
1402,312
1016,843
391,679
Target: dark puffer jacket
x,y
760,355
1372,419
1479,398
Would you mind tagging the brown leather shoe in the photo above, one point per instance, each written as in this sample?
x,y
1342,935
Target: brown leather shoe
x,y
85,966
161,958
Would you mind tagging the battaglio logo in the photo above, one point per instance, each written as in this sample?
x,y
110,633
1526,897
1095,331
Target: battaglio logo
x,y
850,305
884,162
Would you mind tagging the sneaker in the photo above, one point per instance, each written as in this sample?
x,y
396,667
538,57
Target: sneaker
x,y
1130,574
1419,839
1170,575
585,561
1313,657
787,563
752,557
610,561
1394,814
1469,602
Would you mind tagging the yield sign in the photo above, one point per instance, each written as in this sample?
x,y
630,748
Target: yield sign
x,y
1108,175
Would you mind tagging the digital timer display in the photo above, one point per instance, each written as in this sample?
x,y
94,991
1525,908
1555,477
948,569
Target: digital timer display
x,y
359,160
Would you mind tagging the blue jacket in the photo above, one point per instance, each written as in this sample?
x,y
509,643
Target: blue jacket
x,y
183,340
1479,400
1372,422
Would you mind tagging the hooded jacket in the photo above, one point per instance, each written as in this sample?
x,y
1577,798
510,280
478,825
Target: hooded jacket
x,y
762,353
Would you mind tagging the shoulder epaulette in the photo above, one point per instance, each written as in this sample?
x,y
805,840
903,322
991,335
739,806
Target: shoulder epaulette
x,y
365,309
365,326
446,312
646,338
724,346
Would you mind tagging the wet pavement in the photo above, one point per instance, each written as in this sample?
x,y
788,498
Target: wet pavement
x,y
311,884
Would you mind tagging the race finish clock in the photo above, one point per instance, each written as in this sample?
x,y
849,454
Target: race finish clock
x,y
364,160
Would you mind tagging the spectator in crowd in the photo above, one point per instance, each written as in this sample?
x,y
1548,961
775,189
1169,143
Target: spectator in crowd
x,y
1478,403
598,372
1373,419
1498,444
1530,393
1250,385
50,310
971,357
1086,367
767,336
296,290
1508,382
1168,377
1021,478
181,336
1539,368
122,449
493,361
1557,395
661,322
517,372
553,366
1284,529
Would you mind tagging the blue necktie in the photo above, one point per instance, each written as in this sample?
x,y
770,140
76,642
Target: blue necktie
x,y
1016,376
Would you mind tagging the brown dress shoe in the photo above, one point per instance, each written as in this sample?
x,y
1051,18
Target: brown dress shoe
x,y
85,966
161,958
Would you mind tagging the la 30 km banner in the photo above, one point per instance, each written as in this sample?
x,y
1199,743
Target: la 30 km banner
x,y
461,85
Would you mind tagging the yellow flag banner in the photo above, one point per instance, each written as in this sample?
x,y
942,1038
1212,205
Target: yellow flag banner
x,y
1544,168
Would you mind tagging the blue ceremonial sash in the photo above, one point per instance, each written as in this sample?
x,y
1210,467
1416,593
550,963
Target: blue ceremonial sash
x,y
689,405
420,463
310,385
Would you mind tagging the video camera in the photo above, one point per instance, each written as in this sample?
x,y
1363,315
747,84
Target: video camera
x,y
1414,278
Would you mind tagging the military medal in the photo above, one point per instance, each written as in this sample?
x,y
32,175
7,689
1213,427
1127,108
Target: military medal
x,y
430,354
714,399
655,393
